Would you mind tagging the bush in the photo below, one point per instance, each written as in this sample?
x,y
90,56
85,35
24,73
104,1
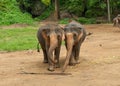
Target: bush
x,y
64,21
45,14
10,14
84,20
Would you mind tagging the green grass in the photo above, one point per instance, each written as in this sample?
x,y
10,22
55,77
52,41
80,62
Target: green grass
x,y
84,20
64,21
17,39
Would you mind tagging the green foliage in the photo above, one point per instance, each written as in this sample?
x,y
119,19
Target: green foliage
x,y
2,6
45,14
74,6
64,21
46,2
33,7
10,13
90,8
18,39
84,20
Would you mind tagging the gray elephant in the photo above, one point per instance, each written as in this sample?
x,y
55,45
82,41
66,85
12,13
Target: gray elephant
x,y
75,34
116,21
50,38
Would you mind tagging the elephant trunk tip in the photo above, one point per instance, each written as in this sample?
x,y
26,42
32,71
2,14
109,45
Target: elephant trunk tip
x,y
64,68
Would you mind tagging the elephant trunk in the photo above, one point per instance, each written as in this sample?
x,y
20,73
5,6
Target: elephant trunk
x,y
69,45
53,45
67,59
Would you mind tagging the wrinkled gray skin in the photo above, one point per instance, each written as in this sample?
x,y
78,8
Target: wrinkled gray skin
x,y
50,38
74,36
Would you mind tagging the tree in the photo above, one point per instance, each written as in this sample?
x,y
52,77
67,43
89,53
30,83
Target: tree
x,y
57,11
108,8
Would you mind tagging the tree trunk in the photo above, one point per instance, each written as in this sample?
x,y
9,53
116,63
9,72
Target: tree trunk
x,y
108,8
57,11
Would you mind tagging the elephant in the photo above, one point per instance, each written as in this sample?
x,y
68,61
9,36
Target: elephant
x,y
75,34
50,38
116,21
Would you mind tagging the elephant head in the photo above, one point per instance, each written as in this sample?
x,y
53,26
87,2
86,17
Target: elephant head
x,y
74,36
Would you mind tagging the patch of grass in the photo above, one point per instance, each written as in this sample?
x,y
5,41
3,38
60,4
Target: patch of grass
x,y
64,21
84,20
18,39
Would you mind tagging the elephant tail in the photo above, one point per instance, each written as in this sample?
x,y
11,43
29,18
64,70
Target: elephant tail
x,y
38,48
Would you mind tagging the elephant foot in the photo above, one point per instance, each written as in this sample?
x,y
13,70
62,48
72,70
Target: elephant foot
x,y
45,61
72,64
51,68
57,65
77,62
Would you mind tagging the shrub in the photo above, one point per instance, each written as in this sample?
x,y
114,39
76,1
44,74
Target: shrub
x,y
84,20
64,21
10,14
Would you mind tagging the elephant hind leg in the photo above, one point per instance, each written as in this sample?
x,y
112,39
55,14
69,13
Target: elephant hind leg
x,y
43,46
45,57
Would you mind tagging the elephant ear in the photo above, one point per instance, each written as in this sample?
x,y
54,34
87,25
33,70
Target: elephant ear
x,y
45,33
79,36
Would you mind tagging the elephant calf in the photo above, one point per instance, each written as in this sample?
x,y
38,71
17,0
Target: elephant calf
x,y
75,34
50,38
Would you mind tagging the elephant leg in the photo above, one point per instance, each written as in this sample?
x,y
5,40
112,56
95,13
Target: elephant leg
x,y
43,46
51,64
72,61
77,53
57,54
45,57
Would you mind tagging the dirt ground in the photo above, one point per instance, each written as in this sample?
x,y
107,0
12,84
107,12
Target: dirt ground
x,y
99,63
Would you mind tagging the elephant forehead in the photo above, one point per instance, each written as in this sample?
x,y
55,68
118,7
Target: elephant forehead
x,y
53,34
53,37
69,37
69,34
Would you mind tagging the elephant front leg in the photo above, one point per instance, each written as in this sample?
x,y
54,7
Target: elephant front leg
x,y
51,65
50,56
77,53
57,54
72,61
